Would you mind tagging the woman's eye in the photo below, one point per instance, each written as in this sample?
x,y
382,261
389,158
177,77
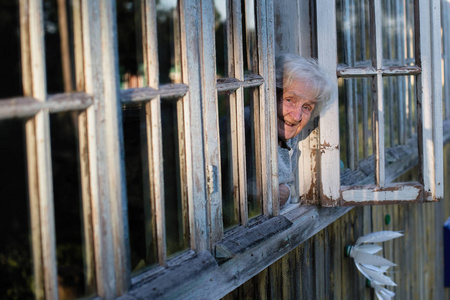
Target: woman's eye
x,y
307,107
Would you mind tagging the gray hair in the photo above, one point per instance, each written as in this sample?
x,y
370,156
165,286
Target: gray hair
x,y
290,67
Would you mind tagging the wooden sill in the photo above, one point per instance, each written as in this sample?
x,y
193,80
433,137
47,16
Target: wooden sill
x,y
202,275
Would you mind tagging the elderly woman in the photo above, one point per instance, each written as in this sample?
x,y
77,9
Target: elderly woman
x,y
302,90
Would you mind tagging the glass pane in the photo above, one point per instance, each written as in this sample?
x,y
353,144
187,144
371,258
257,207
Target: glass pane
x,y
140,219
59,46
230,204
249,34
16,264
76,272
251,102
222,38
129,31
353,32
400,123
10,84
169,50
177,228
356,133
398,32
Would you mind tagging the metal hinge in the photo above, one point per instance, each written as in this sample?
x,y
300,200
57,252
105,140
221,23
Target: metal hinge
x,y
314,139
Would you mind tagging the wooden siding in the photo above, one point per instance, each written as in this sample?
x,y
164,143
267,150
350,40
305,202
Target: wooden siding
x,y
318,268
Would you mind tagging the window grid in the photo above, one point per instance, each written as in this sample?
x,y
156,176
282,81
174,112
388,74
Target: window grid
x,y
429,140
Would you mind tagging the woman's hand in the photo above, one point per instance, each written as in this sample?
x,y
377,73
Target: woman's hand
x,y
284,193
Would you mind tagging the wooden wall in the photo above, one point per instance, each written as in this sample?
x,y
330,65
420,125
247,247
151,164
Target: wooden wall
x,y
318,268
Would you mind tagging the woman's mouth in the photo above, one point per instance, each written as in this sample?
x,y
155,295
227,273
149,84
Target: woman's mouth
x,y
289,123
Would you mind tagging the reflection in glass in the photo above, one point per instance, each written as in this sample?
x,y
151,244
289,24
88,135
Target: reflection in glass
x,y
230,208
356,135
252,153
59,46
222,46
400,116
16,264
75,273
353,32
11,81
140,217
398,32
169,50
177,229
249,34
129,31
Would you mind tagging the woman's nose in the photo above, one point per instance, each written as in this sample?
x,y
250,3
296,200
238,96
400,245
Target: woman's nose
x,y
297,113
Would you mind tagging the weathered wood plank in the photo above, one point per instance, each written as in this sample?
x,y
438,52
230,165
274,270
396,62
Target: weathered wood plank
x,y
392,193
232,84
249,237
165,91
329,136
28,106
349,72
216,280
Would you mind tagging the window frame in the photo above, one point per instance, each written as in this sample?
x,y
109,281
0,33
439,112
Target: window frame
x,y
429,95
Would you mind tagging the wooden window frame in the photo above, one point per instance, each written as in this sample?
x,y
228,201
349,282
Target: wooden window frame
x,y
429,95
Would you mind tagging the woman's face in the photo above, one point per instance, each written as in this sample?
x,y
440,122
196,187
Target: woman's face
x,y
294,109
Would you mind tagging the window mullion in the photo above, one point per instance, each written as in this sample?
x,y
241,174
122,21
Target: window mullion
x,y
38,150
237,70
267,105
211,123
270,86
430,95
105,164
154,133
445,6
192,110
377,88
329,117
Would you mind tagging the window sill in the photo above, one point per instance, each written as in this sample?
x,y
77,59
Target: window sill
x,y
202,274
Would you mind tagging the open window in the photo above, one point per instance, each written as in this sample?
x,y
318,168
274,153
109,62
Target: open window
x,y
388,101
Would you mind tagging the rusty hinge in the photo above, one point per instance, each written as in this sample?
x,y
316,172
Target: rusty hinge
x,y
314,139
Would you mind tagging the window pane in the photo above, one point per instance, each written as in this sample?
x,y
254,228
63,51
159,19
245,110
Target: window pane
x,y
221,38
249,34
76,272
252,142
356,133
177,228
230,204
400,123
10,83
398,32
59,46
140,219
129,31
16,264
353,32
169,51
